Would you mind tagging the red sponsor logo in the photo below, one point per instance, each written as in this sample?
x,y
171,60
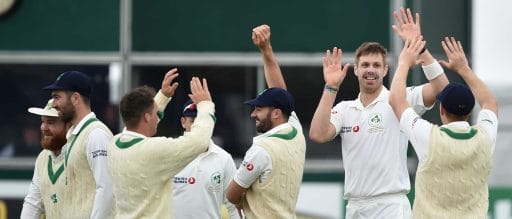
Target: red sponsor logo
x,y
191,180
249,166
355,128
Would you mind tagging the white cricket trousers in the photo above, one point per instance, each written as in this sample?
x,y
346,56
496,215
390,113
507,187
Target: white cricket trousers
x,y
392,206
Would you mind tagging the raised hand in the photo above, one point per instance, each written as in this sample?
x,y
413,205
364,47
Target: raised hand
x,y
333,72
261,36
168,89
411,51
405,26
199,92
457,60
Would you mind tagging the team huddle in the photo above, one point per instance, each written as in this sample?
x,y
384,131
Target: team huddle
x,y
85,171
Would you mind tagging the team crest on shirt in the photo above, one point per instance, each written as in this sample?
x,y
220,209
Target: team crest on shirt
x,y
54,198
375,122
215,182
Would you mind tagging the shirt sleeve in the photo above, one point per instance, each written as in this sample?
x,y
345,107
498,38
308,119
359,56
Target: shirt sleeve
x,y
96,149
33,204
295,122
418,131
488,120
336,118
229,171
175,154
415,99
257,163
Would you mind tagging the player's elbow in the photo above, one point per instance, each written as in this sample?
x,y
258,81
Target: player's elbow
x,y
317,136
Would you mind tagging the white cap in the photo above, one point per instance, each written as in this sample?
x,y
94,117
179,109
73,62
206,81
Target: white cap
x,y
48,110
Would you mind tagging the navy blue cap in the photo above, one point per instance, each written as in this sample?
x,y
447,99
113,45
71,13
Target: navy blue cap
x,y
72,81
189,109
274,97
457,99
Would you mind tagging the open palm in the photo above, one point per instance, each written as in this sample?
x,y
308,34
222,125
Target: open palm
x,y
333,72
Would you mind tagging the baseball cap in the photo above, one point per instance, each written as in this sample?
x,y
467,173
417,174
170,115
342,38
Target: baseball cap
x,y
275,97
72,81
48,110
189,109
457,99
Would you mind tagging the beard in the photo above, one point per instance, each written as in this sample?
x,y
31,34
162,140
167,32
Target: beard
x,y
264,124
67,112
54,142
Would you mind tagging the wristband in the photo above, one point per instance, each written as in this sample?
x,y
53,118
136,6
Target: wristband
x,y
433,70
330,89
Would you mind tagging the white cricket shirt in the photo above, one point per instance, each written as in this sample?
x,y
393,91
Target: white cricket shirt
x,y
373,148
203,184
257,163
419,130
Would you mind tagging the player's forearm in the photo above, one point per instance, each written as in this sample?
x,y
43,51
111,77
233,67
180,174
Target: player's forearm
x,y
320,124
482,93
273,75
161,101
397,96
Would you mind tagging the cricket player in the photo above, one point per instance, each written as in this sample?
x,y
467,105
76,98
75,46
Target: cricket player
x,y
204,181
454,159
142,166
267,183
47,187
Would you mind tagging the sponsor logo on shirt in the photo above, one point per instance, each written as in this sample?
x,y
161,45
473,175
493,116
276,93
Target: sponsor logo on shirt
x,y
184,180
488,120
348,129
248,166
414,121
98,153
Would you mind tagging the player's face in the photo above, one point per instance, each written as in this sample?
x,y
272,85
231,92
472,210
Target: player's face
x,y
370,72
186,123
262,116
62,103
53,133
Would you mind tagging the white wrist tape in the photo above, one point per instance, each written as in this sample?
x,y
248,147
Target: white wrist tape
x,y
433,70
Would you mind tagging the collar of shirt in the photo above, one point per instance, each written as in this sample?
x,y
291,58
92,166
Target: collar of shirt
x,y
273,131
61,155
458,124
211,150
382,97
75,129
134,134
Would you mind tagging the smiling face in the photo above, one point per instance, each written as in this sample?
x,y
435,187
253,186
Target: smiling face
x,y
262,116
370,71
62,103
53,133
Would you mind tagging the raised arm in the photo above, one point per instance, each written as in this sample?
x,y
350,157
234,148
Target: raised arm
x,y
406,27
458,63
408,58
163,97
321,129
273,75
